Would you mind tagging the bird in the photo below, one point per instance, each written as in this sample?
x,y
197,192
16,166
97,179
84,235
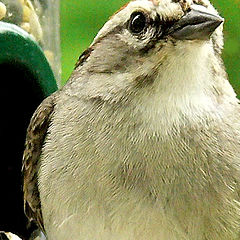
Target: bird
x,y
143,141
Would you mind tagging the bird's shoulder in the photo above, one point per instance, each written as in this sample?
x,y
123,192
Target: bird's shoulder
x,y
36,133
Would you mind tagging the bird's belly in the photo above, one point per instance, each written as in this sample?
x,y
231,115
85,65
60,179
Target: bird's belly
x,y
143,192
134,219
102,211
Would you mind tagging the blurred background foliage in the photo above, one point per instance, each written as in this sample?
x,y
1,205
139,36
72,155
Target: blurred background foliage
x,y
82,19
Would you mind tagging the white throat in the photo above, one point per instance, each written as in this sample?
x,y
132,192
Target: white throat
x,y
183,88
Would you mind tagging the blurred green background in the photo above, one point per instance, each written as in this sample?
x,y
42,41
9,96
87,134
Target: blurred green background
x,y
82,19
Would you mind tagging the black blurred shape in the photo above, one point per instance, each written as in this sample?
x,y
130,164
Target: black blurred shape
x,y
20,95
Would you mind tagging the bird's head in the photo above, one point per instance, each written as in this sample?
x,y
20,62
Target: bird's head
x,y
169,47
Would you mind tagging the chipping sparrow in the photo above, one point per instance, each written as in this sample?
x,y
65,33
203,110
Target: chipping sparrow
x,y
143,142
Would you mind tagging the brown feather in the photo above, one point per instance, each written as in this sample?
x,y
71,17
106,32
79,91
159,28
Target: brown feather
x,y
83,57
36,134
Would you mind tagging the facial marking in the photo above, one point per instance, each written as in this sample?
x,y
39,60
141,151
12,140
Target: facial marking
x,y
185,4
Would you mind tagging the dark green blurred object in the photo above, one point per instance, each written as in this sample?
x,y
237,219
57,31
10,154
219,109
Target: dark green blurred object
x,y
17,47
26,79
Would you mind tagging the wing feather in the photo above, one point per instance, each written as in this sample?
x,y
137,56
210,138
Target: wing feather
x,y
36,134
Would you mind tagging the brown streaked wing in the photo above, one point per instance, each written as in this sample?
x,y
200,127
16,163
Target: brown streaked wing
x,y
36,134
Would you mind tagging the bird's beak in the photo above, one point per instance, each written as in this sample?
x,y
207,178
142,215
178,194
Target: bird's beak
x,y
196,24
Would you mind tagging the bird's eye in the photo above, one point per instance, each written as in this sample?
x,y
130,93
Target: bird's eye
x,y
137,22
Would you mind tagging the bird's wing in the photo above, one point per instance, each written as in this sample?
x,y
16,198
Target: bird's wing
x,y
36,134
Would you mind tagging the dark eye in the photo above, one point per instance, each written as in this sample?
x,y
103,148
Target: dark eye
x,y
137,22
